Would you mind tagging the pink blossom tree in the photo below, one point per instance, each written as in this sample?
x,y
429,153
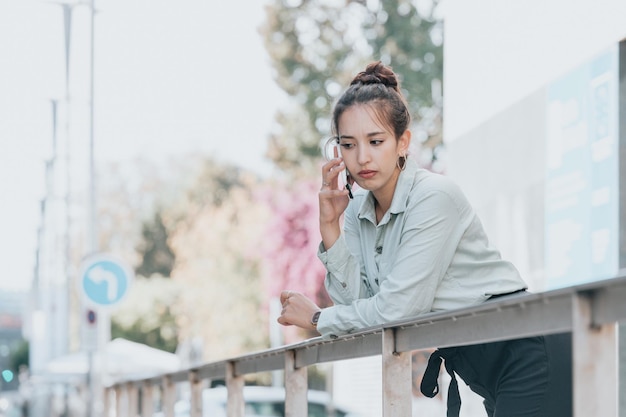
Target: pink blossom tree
x,y
288,248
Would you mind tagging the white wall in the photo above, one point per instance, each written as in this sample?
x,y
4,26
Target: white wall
x,y
499,56
497,52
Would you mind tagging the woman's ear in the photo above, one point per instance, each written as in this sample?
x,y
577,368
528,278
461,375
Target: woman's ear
x,y
404,142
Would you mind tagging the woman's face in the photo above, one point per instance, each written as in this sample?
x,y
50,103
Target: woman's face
x,y
370,150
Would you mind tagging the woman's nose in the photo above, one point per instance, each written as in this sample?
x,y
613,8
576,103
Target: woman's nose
x,y
363,155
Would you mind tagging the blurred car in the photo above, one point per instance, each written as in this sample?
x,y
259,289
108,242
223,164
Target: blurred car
x,y
262,402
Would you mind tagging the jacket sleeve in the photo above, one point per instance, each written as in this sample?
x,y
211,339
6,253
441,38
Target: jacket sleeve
x,y
345,273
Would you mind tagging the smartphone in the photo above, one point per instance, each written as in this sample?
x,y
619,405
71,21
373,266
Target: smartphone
x,y
331,151
345,176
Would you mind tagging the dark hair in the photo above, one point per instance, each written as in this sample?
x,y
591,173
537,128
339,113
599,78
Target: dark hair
x,y
377,86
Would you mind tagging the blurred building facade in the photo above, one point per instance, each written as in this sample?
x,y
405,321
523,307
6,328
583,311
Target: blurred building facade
x,y
535,128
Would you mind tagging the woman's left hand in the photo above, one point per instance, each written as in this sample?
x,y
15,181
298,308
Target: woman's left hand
x,y
297,310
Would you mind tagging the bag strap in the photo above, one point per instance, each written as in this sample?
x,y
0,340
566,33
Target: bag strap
x,y
430,385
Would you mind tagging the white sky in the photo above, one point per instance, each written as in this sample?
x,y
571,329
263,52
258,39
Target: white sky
x,y
170,77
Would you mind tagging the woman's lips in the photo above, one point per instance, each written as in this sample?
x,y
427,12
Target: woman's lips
x,y
367,174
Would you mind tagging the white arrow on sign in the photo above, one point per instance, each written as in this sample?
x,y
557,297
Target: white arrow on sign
x,y
98,274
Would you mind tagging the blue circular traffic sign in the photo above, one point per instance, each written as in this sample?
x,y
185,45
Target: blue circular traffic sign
x,y
105,280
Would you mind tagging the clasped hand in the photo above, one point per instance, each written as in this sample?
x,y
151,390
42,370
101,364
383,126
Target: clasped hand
x,y
297,310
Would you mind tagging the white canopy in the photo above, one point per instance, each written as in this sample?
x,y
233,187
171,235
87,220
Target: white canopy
x,y
120,359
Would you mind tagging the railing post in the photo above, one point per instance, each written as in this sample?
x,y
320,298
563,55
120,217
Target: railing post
x,y
296,387
119,404
133,399
234,385
195,385
595,362
106,402
169,396
396,378
147,399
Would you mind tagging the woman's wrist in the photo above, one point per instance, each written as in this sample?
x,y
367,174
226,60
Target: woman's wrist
x,y
330,234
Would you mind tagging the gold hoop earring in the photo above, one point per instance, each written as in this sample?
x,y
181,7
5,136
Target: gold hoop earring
x,y
401,162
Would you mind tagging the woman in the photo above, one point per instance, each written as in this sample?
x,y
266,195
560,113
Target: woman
x,y
412,244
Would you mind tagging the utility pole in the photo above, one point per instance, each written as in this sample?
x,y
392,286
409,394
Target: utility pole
x,y
103,327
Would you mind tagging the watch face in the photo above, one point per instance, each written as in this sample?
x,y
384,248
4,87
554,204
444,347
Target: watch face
x,y
315,318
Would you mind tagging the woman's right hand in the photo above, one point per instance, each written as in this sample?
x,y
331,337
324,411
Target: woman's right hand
x,y
333,200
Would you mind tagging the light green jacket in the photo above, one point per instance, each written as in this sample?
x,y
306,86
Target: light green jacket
x,y
428,253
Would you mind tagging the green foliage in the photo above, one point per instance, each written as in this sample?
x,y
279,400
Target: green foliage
x,y
153,336
410,39
147,315
312,49
156,255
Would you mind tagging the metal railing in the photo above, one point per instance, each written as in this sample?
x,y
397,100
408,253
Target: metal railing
x,y
590,312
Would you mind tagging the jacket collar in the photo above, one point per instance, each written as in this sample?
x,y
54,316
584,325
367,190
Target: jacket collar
x,y
400,195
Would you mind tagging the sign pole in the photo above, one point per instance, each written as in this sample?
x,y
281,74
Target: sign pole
x,y
104,282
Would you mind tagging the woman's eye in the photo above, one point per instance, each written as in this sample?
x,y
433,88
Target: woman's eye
x,y
346,145
376,141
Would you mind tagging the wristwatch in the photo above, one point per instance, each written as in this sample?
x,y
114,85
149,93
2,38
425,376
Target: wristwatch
x,y
315,318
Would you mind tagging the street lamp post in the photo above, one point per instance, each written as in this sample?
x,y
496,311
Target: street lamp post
x,y
103,330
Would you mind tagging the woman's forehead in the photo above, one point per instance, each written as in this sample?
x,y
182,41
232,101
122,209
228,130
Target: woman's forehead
x,y
361,119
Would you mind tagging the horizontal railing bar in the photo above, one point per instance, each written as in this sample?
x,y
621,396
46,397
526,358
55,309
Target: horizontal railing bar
x,y
215,370
180,376
140,383
312,351
614,284
357,345
506,318
528,318
156,380
262,363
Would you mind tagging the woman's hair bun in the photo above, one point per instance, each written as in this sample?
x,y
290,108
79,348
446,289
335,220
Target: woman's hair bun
x,y
379,86
377,73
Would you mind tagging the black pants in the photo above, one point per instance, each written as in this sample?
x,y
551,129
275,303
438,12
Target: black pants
x,y
529,377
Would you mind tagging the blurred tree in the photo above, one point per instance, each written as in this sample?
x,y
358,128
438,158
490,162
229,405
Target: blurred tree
x,y
130,218
206,218
216,233
318,45
156,255
147,315
408,35
214,183
132,201
290,241
410,39
312,46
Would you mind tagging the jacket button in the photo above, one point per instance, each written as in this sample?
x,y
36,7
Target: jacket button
x,y
379,250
